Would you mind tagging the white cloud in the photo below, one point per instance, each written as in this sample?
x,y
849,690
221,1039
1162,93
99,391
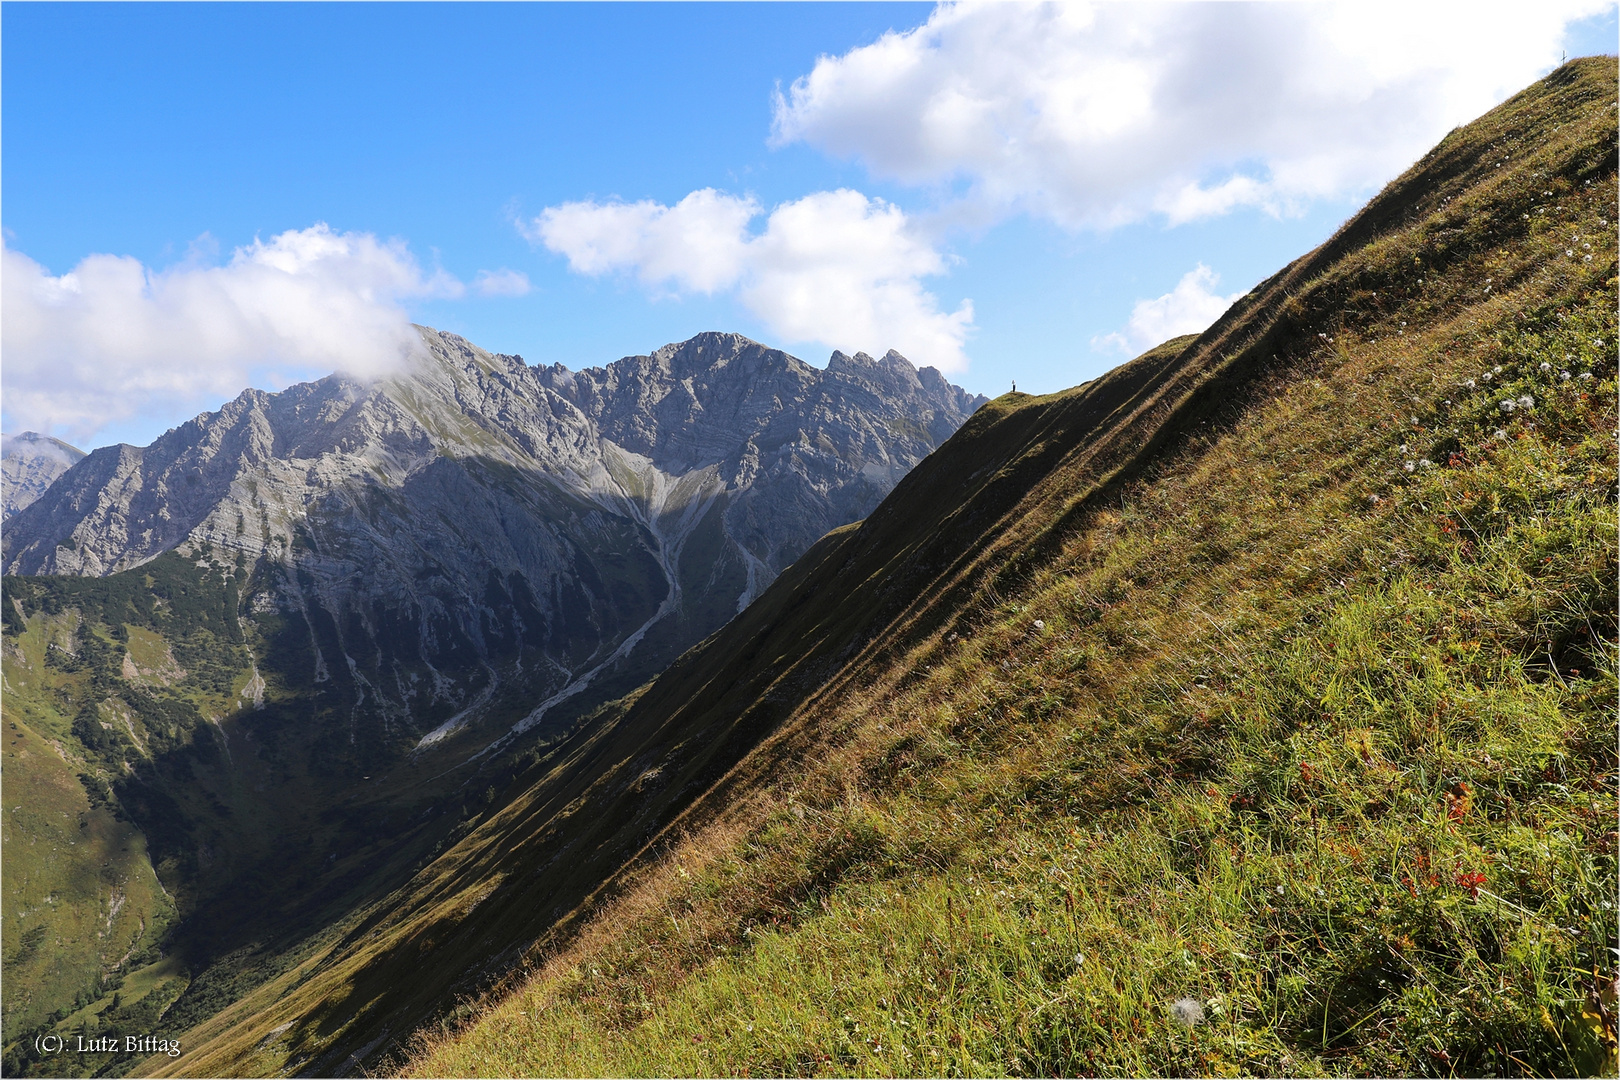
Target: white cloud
x,y
697,245
1099,114
113,339
834,267
1189,308
502,282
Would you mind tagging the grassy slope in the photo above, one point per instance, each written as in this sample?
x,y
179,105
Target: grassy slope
x,y
80,893
1321,743
837,801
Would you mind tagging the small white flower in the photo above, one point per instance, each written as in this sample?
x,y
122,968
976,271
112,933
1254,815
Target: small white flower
x,y
1569,251
1527,402
1588,258
1414,421
1497,369
1508,406
1586,375
1564,376
1079,958
1499,434
1546,366
1470,384
1486,376
1039,624
1410,466
1425,463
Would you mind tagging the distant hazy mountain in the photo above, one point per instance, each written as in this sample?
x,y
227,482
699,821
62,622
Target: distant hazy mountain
x,y
476,524
31,462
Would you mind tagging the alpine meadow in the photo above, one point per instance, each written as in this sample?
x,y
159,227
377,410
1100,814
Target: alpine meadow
x,y
1250,709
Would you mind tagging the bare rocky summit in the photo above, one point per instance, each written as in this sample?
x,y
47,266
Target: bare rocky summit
x,y
31,463
477,539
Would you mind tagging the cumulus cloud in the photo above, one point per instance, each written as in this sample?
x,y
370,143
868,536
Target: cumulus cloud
x,y
113,338
1189,308
834,267
1100,114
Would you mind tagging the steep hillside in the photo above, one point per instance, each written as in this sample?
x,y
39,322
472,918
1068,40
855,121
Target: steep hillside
x,y
1273,671
295,648
31,462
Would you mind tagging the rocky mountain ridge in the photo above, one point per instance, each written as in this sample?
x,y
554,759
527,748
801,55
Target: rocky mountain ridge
x,y
473,514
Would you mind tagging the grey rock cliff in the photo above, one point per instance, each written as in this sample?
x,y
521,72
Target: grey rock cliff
x,y
477,545
31,463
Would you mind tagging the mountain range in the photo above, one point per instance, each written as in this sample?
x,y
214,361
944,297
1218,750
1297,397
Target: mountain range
x,y
474,530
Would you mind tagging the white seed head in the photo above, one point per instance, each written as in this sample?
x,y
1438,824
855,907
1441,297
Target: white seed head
x,y
1188,1012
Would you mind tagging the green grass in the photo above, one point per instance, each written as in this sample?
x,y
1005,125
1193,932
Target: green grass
x,y
1320,742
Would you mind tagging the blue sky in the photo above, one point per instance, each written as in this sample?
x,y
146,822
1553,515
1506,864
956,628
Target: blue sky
x,y
515,173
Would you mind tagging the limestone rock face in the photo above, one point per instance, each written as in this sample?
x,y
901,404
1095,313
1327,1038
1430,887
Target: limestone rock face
x,y
478,544
31,463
